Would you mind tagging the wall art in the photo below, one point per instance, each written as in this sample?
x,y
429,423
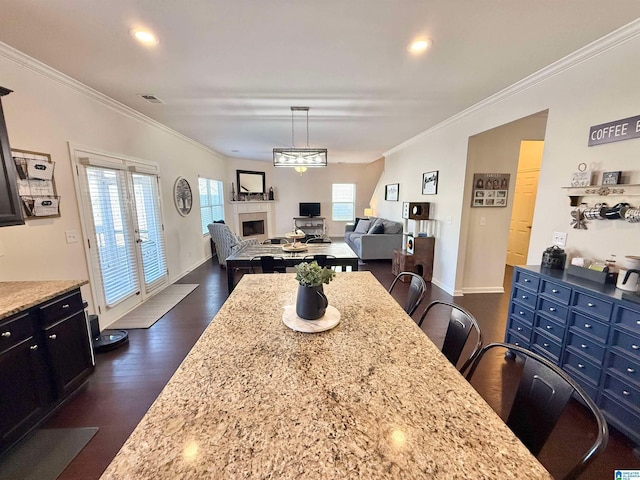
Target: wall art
x,y
490,189
392,192
430,183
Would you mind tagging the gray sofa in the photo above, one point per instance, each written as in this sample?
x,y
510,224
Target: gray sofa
x,y
374,238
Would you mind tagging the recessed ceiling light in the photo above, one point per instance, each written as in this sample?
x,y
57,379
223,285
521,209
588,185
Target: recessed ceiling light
x,y
420,46
144,36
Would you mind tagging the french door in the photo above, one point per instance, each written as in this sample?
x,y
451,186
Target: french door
x,y
124,234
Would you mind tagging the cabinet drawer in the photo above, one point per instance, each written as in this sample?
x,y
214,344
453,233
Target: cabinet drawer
x,y
624,367
554,310
628,343
590,348
622,391
628,317
592,305
517,340
582,366
61,307
558,292
525,297
587,325
547,346
526,280
550,327
624,418
523,314
521,328
15,330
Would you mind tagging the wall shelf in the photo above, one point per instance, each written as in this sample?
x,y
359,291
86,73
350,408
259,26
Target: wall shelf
x,y
576,193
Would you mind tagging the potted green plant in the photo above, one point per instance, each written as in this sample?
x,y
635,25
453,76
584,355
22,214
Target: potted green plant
x,y
311,302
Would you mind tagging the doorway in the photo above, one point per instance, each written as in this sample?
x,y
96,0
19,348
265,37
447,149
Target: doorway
x,y
524,201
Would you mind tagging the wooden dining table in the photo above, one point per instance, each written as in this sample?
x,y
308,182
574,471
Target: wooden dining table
x,y
371,398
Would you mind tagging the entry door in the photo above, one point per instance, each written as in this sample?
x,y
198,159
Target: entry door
x,y
126,242
524,201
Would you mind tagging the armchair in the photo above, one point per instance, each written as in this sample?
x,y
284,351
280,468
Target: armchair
x,y
227,243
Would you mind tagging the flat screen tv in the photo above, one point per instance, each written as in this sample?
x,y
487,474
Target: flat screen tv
x,y
310,209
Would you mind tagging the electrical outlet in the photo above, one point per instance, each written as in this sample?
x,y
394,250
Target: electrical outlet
x,y
72,236
449,219
559,239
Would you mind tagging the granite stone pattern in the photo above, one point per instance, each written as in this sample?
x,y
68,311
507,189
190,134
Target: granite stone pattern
x,y
371,398
18,296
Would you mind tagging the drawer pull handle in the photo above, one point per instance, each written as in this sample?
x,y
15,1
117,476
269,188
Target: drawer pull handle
x,y
549,327
590,304
626,392
517,344
33,347
587,325
551,309
53,336
635,347
637,322
580,365
524,297
545,344
65,306
6,334
554,290
631,370
582,345
527,280
521,312
519,329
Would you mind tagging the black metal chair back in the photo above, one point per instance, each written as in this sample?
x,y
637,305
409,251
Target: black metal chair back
x,y
417,288
320,258
461,323
315,240
543,392
268,264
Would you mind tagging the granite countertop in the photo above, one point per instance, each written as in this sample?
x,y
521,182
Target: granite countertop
x,y
371,398
18,296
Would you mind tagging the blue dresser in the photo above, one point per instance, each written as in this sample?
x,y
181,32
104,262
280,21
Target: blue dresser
x,y
587,329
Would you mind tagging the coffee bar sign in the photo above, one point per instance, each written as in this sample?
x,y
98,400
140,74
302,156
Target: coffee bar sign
x,y
617,131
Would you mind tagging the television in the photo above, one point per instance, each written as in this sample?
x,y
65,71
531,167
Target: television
x,y
309,209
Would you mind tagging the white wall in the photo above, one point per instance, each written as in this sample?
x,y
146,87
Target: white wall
x,y
595,85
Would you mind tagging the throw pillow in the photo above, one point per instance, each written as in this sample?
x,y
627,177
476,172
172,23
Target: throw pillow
x,y
377,228
363,226
391,226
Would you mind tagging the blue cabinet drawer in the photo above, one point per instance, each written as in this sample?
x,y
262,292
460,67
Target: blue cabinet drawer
x,y
584,367
517,340
523,329
559,293
590,326
554,310
589,348
624,367
622,391
623,417
592,305
626,342
525,297
526,280
628,317
524,314
550,327
546,346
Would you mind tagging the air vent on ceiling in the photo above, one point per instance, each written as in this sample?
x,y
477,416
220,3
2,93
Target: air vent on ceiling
x,y
151,98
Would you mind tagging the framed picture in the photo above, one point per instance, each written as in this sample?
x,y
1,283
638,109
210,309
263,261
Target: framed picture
x,y
490,189
611,178
392,192
430,183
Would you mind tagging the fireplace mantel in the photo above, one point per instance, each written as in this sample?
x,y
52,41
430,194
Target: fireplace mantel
x,y
253,206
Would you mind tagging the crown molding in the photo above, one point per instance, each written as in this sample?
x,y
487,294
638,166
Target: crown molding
x,y
595,48
24,60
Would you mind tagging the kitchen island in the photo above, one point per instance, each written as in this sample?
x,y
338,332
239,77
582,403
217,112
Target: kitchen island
x,y
371,398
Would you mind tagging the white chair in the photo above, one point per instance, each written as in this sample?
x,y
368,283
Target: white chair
x,y
227,243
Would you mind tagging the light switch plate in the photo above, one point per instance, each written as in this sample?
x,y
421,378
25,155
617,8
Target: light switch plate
x,y
559,239
483,221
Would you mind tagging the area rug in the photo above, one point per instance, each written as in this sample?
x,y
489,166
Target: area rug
x,y
45,453
153,309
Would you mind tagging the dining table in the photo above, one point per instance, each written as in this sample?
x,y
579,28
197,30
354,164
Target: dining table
x,y
372,398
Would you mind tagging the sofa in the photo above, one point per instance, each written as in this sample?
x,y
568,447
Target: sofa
x,y
226,242
374,238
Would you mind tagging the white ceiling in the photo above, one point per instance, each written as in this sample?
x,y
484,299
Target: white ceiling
x,y
229,70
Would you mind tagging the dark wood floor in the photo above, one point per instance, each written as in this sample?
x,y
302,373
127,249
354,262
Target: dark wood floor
x,y
127,380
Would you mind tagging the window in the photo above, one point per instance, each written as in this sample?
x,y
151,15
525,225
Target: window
x,y
343,196
211,202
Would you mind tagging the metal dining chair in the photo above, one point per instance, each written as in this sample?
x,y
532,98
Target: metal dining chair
x,y
543,392
268,264
316,240
417,289
320,258
461,322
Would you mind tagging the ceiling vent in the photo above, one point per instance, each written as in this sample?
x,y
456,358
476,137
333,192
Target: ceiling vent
x,y
151,98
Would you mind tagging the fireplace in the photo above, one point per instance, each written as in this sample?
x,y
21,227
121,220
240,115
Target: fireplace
x,y
252,228
253,225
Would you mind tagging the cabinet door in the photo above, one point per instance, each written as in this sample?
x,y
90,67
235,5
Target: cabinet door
x,y
23,390
69,355
10,206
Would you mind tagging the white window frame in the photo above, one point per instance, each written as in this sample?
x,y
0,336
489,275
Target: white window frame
x,y
338,197
211,205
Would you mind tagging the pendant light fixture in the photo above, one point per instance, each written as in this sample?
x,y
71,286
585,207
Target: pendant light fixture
x,y
299,158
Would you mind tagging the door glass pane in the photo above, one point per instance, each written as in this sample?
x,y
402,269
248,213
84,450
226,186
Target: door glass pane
x,y
113,236
149,238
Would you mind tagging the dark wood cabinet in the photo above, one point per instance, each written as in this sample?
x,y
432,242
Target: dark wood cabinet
x,y
420,261
45,354
10,206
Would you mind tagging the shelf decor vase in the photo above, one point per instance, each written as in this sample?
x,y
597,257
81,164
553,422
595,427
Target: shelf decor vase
x,y
311,303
